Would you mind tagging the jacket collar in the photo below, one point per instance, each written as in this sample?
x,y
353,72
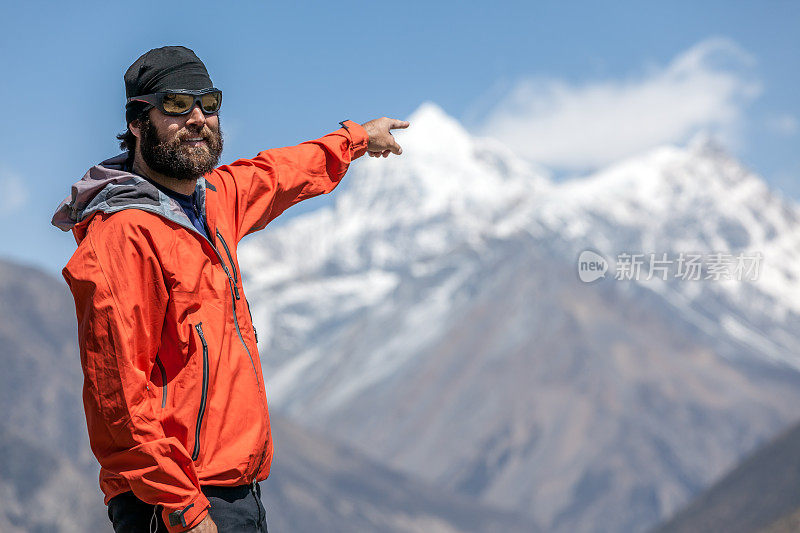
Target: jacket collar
x,y
109,187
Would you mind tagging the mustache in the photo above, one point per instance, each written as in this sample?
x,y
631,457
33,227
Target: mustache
x,y
204,133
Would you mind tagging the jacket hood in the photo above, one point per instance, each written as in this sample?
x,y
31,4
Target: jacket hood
x,y
108,188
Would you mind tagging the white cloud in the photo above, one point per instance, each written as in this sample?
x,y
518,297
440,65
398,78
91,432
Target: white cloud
x,y
783,124
570,126
13,193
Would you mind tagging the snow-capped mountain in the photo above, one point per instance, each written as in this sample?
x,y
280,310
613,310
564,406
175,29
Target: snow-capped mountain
x,y
433,318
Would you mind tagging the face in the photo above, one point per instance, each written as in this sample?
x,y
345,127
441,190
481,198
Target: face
x,y
182,147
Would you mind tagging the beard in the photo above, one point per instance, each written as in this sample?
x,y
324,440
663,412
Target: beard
x,y
172,158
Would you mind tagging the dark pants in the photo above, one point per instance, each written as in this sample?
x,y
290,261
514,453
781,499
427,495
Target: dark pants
x,y
233,509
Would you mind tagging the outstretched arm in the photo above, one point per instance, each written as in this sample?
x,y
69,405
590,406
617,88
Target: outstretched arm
x,y
257,190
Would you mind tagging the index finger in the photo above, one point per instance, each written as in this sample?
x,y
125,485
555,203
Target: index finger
x,y
398,124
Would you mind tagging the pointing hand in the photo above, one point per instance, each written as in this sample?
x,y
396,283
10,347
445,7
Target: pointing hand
x,y
381,141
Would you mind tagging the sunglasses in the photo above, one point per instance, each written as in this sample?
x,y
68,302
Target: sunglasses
x,y
182,102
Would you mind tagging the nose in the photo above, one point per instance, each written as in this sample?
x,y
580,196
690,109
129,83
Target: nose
x,y
196,117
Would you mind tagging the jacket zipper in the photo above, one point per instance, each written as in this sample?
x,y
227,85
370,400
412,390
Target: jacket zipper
x,y
202,411
231,284
163,382
234,297
235,282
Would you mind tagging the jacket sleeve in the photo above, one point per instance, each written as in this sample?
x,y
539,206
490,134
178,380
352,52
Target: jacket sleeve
x,y
120,313
258,190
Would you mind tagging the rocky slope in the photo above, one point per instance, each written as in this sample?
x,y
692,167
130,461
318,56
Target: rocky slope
x,y
759,495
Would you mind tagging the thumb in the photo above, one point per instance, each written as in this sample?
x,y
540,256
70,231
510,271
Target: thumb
x,y
395,148
401,124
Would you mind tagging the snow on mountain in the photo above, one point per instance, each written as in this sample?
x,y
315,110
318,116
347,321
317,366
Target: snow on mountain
x,y
395,214
432,317
449,176
697,199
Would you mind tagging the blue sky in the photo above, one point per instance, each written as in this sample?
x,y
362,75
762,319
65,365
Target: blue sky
x,y
551,80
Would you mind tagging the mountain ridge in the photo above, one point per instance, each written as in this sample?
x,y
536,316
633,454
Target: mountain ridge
x,y
367,304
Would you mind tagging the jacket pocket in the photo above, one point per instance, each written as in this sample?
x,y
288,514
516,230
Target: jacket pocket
x,y
163,372
201,412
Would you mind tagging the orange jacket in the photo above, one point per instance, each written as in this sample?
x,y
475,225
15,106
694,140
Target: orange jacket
x,y
173,390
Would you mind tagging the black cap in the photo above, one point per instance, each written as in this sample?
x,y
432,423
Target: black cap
x,y
163,69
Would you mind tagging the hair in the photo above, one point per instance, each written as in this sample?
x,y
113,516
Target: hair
x,y
127,140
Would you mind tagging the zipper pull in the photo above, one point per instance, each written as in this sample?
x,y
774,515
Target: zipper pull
x,y
255,334
236,291
225,268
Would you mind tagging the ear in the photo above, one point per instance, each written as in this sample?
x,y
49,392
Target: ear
x,y
135,128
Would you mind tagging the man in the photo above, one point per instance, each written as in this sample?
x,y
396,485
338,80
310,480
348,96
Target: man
x,y
173,391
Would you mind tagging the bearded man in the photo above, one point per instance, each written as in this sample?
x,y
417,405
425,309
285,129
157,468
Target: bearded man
x,y
173,390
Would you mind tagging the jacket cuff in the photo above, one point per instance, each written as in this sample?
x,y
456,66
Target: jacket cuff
x,y
358,138
178,520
